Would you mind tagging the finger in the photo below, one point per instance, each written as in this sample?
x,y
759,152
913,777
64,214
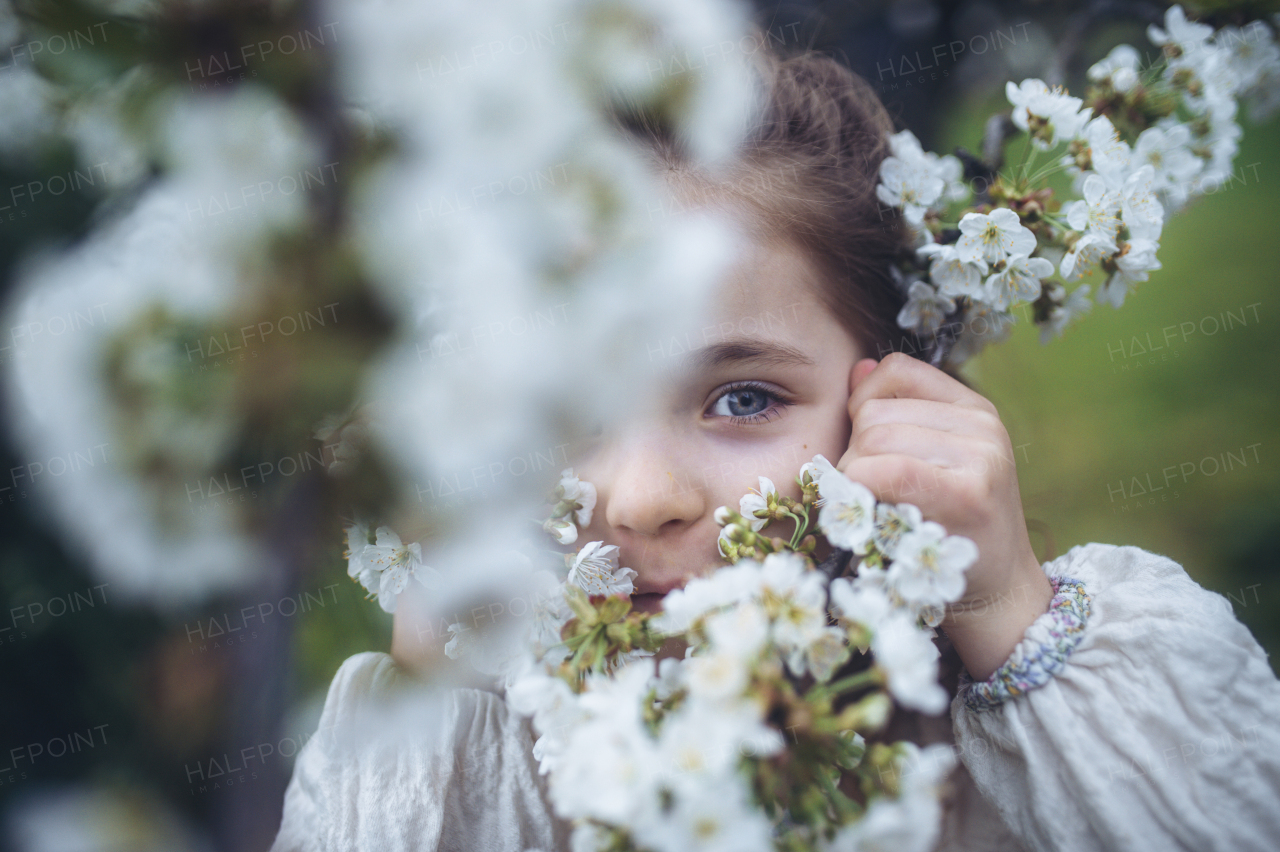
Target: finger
x,y
929,445
942,416
896,477
859,372
903,377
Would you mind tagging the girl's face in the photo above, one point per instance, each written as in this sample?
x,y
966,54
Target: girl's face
x,y
765,389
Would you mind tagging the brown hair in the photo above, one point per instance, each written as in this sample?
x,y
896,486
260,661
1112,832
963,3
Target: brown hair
x,y
808,172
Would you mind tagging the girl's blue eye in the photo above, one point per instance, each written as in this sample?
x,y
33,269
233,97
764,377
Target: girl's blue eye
x,y
747,403
744,402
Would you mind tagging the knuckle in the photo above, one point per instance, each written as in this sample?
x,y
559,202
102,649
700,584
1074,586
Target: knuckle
x,y
873,439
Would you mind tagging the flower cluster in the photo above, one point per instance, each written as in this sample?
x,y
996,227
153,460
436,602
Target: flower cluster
x,y
385,565
763,735
1139,145
574,502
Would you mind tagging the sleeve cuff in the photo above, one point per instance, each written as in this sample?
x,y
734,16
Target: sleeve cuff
x,y
1041,654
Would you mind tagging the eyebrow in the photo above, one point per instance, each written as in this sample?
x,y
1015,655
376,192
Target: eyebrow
x,y
764,353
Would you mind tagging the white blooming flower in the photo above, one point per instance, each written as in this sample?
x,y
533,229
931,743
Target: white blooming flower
x,y
717,676
1085,255
929,566
594,569
1134,260
396,563
1250,52
1108,154
1186,35
701,595
608,770
1098,211
741,631
817,468
1019,281
1140,209
712,817
847,513
912,185
1061,315
892,523
757,501
705,741
951,170
1218,147
905,146
1167,149
860,602
802,622
582,494
359,568
952,276
577,501
910,662
1034,103
925,309
548,613
993,236
1120,67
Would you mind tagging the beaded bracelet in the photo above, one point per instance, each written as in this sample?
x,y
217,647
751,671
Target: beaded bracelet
x,y
1040,655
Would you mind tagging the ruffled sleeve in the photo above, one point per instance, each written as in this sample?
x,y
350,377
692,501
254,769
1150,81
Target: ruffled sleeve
x,y
1137,714
455,773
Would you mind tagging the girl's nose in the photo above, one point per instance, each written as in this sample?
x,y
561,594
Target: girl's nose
x,y
647,485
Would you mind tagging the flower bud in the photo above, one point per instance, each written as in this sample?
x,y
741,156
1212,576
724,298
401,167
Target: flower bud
x,y
869,714
723,515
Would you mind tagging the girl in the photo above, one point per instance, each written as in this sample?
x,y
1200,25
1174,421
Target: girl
x,y
1104,700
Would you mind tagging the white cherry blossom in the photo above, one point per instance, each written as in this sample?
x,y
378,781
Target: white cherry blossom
x,y
1019,281
817,468
910,661
930,565
892,523
1134,260
1120,67
594,569
925,309
1034,102
1108,154
1098,211
1250,53
912,185
992,237
1140,209
1167,149
757,501
952,276
583,494
397,563
847,512
1185,35
1086,254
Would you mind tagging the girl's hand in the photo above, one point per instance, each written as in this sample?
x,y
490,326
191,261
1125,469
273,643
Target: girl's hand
x,y
919,436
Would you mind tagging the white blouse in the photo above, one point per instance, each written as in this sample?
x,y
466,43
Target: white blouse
x,y
1140,715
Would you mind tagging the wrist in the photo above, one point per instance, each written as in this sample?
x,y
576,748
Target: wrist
x,y
985,628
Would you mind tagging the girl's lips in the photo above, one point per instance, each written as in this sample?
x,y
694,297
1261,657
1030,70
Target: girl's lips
x,y
649,602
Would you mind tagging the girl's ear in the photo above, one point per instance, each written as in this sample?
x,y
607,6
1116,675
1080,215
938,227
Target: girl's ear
x,y
860,371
